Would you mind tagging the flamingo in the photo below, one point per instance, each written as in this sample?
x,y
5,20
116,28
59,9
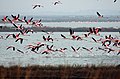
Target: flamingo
x,y
37,5
74,49
115,0
110,49
94,39
99,15
101,49
63,36
106,41
48,38
116,42
19,27
10,21
21,40
61,49
11,47
37,23
57,2
28,22
13,35
88,49
23,20
118,52
71,31
15,18
5,19
14,49
94,31
48,50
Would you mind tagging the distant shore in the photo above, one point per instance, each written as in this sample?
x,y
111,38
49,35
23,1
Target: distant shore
x,y
58,29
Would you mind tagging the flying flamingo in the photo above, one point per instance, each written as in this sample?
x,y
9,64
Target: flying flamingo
x,y
11,47
115,0
15,18
71,31
37,5
21,40
48,50
23,19
13,35
9,20
57,2
63,36
18,27
48,38
61,49
88,49
14,49
5,19
29,21
94,39
99,15
118,52
75,49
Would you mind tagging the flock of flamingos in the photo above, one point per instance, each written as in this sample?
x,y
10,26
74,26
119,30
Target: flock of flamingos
x,y
109,43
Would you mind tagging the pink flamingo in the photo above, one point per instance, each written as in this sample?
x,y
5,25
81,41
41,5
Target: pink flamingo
x,y
15,18
99,15
5,19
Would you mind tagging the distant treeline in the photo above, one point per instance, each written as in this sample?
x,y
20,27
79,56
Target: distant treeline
x,y
58,29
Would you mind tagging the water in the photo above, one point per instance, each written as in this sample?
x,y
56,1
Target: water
x,y
72,21
68,57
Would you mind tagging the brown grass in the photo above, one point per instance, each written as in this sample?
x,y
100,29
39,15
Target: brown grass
x,y
60,72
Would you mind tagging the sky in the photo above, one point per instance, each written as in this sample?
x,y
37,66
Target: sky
x,y
68,7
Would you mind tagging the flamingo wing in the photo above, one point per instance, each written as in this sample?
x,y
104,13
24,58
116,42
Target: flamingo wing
x,y
34,6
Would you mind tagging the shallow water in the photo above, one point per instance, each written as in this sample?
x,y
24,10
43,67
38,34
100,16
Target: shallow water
x,y
81,57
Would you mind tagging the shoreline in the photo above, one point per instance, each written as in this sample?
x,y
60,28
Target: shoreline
x,y
58,29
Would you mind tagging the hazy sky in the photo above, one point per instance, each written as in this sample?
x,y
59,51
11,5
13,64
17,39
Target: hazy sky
x,y
71,7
